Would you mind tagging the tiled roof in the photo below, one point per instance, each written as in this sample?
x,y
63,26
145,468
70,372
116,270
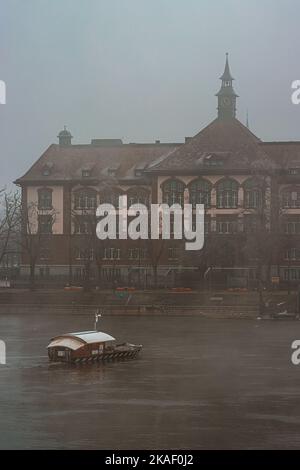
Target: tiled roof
x,y
67,162
226,139
285,154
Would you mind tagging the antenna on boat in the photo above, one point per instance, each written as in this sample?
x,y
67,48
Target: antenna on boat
x,y
97,316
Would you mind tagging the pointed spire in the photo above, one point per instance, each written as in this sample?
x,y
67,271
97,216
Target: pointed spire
x,y
226,95
227,77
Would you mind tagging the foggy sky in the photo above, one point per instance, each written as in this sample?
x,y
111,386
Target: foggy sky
x,y
141,70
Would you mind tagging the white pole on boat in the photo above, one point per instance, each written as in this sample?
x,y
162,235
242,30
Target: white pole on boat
x,y
97,316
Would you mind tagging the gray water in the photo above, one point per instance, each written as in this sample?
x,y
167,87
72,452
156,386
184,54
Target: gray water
x,y
198,383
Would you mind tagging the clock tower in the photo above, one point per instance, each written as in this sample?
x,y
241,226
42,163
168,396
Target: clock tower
x,y
226,96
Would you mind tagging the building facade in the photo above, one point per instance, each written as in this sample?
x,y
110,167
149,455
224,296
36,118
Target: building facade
x,y
250,189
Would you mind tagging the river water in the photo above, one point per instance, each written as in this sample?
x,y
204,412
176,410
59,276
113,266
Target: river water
x,y
198,384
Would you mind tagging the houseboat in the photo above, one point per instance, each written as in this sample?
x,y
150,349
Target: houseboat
x,y
89,346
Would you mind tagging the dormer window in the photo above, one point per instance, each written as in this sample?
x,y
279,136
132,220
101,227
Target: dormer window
x,y
138,172
213,161
46,171
112,172
86,173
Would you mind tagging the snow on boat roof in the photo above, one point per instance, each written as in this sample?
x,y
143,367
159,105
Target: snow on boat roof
x,y
92,336
71,343
76,340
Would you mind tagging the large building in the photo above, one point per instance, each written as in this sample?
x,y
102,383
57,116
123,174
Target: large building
x,y
250,189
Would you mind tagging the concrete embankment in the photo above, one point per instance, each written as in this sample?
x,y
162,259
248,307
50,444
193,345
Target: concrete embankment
x,y
227,311
213,304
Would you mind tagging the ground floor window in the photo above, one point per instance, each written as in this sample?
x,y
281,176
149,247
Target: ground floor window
x,y
173,253
112,253
226,226
137,253
111,274
292,274
44,272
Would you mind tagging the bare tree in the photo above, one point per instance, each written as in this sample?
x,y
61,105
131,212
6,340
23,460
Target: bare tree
x,y
9,210
155,251
36,226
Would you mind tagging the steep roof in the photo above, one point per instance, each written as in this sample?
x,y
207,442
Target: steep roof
x,y
65,163
284,154
225,139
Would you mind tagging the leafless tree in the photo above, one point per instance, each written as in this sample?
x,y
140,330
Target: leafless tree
x,y
36,227
9,210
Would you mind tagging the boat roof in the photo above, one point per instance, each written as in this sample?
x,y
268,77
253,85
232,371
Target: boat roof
x,y
77,340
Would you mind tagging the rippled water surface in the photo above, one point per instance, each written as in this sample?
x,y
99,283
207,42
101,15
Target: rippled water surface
x,y
199,383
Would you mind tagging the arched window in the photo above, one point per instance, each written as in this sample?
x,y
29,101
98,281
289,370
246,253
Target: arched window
x,y
45,199
227,194
111,197
290,198
200,190
173,192
85,199
252,194
137,196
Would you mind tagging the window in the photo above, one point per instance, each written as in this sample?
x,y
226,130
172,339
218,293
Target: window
x,y
137,253
206,224
200,192
46,171
111,274
85,200
82,226
173,253
112,172
292,254
173,192
86,173
292,274
112,253
45,199
293,171
227,194
110,197
291,227
291,198
44,272
45,224
226,226
137,197
85,254
213,161
252,195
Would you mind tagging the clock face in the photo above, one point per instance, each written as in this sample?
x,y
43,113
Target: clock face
x,y
225,101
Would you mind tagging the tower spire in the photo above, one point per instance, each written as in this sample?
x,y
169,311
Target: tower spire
x,y
226,74
226,96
